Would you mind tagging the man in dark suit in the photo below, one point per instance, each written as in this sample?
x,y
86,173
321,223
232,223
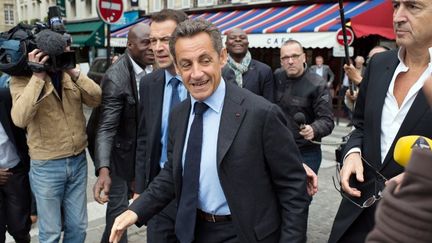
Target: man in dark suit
x,y
390,105
15,192
160,92
323,70
233,165
248,73
116,133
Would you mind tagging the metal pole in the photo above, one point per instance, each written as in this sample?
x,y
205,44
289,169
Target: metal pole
x,y
108,60
347,58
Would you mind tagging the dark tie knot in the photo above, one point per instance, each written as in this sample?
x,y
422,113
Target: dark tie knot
x,y
200,108
174,82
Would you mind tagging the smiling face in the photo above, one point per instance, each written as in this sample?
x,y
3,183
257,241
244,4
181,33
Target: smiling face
x,y
199,64
237,42
410,20
160,35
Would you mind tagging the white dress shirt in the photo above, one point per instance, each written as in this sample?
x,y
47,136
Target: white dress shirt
x,y
393,115
139,72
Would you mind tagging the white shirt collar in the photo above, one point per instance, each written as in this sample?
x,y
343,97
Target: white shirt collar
x,y
137,69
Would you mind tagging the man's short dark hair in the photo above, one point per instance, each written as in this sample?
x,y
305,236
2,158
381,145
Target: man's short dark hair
x,y
292,41
190,28
169,14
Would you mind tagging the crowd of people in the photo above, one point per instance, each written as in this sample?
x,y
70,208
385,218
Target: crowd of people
x,y
212,145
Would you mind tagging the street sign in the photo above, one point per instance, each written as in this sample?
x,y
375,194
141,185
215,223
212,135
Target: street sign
x,y
350,36
110,11
339,51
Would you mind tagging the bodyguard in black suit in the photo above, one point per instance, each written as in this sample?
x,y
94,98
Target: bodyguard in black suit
x,y
248,73
390,105
15,195
256,184
160,91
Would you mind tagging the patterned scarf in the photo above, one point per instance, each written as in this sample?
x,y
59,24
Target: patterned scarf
x,y
240,68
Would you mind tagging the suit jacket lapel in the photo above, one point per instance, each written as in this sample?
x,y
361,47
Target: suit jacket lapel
x,y
157,87
231,118
377,92
5,121
251,72
181,123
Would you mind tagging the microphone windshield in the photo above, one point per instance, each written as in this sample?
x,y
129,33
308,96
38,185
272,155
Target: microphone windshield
x,y
299,118
405,145
50,42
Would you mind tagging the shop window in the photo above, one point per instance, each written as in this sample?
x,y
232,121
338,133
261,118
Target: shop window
x,y
202,3
157,5
9,14
185,3
170,4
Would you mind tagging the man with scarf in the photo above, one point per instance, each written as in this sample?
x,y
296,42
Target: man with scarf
x,y
248,73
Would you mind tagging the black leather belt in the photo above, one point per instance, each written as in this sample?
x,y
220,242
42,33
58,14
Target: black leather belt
x,y
212,218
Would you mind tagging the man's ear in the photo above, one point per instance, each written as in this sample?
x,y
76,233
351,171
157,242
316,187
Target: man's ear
x,y
128,45
223,56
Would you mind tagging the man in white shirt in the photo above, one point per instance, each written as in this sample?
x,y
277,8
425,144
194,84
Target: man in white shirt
x,y
390,105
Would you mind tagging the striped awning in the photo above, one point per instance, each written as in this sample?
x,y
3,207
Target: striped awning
x,y
321,17
119,37
314,25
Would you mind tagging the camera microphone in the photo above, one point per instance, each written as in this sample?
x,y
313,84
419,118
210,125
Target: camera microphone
x,y
55,19
50,42
300,119
405,145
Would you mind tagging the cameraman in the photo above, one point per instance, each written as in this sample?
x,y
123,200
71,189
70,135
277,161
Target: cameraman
x,y
49,105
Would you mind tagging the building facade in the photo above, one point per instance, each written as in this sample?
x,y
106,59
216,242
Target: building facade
x,y
8,15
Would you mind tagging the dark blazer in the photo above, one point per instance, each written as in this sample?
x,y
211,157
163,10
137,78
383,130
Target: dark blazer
x,y
328,74
258,79
367,120
15,134
258,166
149,147
115,142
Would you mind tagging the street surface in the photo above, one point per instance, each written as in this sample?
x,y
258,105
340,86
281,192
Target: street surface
x,y
321,211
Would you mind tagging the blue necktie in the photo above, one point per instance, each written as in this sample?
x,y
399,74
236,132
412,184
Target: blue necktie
x,y
175,97
186,212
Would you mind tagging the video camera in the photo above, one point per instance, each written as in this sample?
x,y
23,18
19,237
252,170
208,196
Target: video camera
x,y
51,38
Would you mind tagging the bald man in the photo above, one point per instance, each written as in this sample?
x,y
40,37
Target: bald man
x,y
116,132
248,73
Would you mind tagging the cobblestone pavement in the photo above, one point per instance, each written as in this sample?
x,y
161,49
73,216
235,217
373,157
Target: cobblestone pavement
x,y
321,213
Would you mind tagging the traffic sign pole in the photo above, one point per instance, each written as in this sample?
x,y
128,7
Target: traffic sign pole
x,y
342,17
109,11
347,59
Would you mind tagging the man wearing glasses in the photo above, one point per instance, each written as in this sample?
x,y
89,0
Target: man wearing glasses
x,y
116,132
299,91
390,105
160,91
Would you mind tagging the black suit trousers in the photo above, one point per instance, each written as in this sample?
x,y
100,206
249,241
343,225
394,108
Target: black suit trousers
x,y
219,232
361,227
15,200
161,228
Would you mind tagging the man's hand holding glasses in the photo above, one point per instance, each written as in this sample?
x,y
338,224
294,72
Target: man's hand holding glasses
x,y
355,166
352,165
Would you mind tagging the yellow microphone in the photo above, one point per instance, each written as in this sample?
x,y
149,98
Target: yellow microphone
x,y
405,145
